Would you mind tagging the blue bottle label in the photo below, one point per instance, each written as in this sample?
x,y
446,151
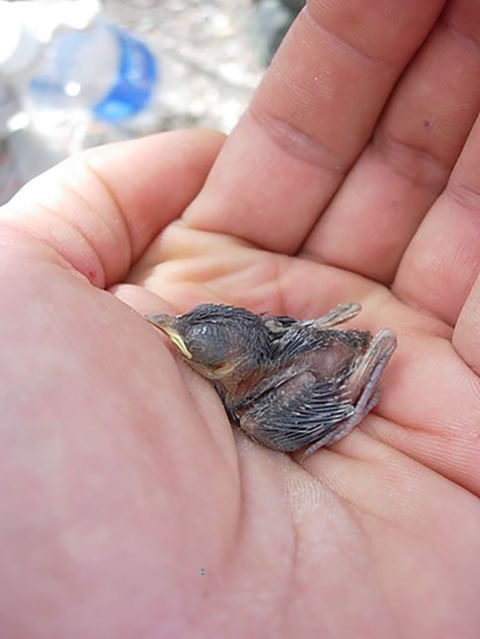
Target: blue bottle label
x,y
135,83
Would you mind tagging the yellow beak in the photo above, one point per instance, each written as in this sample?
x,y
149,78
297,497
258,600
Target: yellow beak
x,y
165,324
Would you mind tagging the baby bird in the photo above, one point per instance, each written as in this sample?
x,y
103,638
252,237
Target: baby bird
x,y
287,383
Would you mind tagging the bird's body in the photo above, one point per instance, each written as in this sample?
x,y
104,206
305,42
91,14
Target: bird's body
x,y
287,383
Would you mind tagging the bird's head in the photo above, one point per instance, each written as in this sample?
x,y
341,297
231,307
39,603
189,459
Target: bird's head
x,y
217,340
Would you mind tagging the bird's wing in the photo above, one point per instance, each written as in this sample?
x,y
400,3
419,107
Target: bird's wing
x,y
288,421
278,324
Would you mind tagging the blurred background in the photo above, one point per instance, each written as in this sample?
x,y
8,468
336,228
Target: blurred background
x,y
78,73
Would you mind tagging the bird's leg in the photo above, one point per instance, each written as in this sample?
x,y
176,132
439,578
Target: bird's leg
x,y
364,382
338,315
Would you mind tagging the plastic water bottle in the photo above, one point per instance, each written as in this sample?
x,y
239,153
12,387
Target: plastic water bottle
x,y
64,56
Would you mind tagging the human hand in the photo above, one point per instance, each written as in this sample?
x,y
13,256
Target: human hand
x,y
352,177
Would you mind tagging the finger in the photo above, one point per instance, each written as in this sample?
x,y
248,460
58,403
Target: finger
x,y
374,216
99,210
312,115
442,262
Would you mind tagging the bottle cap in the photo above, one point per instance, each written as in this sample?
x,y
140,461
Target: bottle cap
x,y
19,46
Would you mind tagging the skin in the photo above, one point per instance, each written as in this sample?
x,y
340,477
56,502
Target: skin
x,y
352,177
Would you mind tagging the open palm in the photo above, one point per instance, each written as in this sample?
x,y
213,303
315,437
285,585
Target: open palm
x,y
129,507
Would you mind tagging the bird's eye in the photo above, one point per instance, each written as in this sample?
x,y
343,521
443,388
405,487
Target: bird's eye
x,y
207,344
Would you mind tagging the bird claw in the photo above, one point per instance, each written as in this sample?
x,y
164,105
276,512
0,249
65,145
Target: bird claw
x,y
365,379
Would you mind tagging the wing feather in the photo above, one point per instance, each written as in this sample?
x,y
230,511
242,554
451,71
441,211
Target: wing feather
x,y
290,422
